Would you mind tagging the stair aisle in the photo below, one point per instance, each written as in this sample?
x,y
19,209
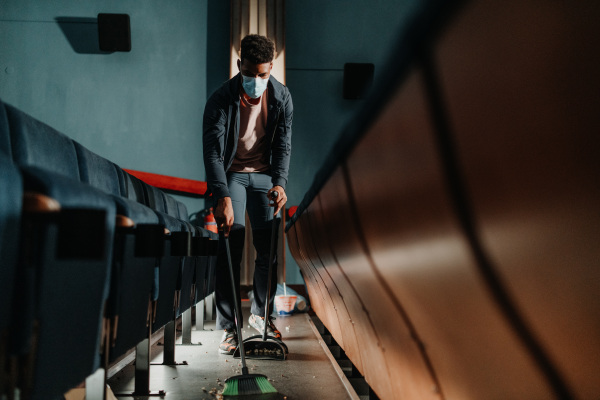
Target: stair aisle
x,y
307,373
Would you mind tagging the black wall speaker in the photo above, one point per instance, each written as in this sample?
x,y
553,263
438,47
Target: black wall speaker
x,y
358,78
114,33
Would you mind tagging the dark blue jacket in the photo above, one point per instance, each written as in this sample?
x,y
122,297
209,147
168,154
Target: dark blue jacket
x,y
221,128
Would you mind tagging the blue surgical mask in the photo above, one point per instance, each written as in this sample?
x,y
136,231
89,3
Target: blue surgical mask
x,y
254,87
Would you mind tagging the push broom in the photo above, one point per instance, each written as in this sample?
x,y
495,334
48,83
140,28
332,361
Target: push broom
x,y
263,346
245,384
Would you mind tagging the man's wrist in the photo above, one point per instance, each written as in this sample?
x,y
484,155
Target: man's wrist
x,y
219,191
279,182
224,200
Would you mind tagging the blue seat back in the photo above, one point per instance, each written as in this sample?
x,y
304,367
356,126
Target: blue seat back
x,y
156,198
171,206
34,143
98,171
183,212
135,188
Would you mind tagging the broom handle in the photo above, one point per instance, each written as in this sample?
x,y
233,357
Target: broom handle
x,y
238,311
274,196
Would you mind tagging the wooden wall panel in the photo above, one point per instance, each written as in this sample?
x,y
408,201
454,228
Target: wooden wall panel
x,y
329,316
351,348
339,321
392,363
342,290
320,295
351,309
522,83
419,251
312,285
338,226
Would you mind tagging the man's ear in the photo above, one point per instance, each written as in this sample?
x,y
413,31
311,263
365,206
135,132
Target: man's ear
x,y
239,64
271,66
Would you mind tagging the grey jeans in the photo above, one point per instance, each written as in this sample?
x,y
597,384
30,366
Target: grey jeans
x,y
248,193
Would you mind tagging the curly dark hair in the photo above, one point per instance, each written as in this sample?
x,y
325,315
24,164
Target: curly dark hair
x,y
257,49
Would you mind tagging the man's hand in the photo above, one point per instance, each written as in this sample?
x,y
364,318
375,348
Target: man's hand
x,y
224,215
279,201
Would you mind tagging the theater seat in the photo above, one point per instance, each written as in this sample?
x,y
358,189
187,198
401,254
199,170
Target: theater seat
x,y
71,255
134,188
64,276
37,144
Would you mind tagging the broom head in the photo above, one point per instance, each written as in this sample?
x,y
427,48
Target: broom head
x,y
248,385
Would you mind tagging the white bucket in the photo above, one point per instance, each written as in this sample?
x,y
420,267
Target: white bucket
x,y
285,304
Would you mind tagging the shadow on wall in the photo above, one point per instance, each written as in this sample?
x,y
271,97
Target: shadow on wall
x,y
82,34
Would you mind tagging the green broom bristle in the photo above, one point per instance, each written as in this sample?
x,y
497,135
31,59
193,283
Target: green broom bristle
x,y
231,388
265,386
247,385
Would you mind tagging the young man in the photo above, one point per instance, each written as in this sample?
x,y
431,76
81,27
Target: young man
x,y
247,148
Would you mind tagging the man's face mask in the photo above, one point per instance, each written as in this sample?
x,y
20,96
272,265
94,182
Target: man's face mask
x,y
254,87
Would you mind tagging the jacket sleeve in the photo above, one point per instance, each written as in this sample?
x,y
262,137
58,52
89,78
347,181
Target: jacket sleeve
x,y
281,149
213,141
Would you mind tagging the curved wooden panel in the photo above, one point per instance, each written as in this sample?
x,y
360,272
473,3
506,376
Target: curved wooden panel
x,y
327,286
522,82
391,359
318,297
421,255
312,286
340,288
350,309
375,368
327,313
341,292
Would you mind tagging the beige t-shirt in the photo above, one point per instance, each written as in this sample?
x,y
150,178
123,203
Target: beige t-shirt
x,y
252,148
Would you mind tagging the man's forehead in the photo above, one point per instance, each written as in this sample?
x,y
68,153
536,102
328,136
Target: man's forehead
x,y
250,65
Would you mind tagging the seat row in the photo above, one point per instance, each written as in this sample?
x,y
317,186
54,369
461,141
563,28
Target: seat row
x,y
450,241
93,259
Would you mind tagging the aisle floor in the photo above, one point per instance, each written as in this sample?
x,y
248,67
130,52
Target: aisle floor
x,y
308,373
